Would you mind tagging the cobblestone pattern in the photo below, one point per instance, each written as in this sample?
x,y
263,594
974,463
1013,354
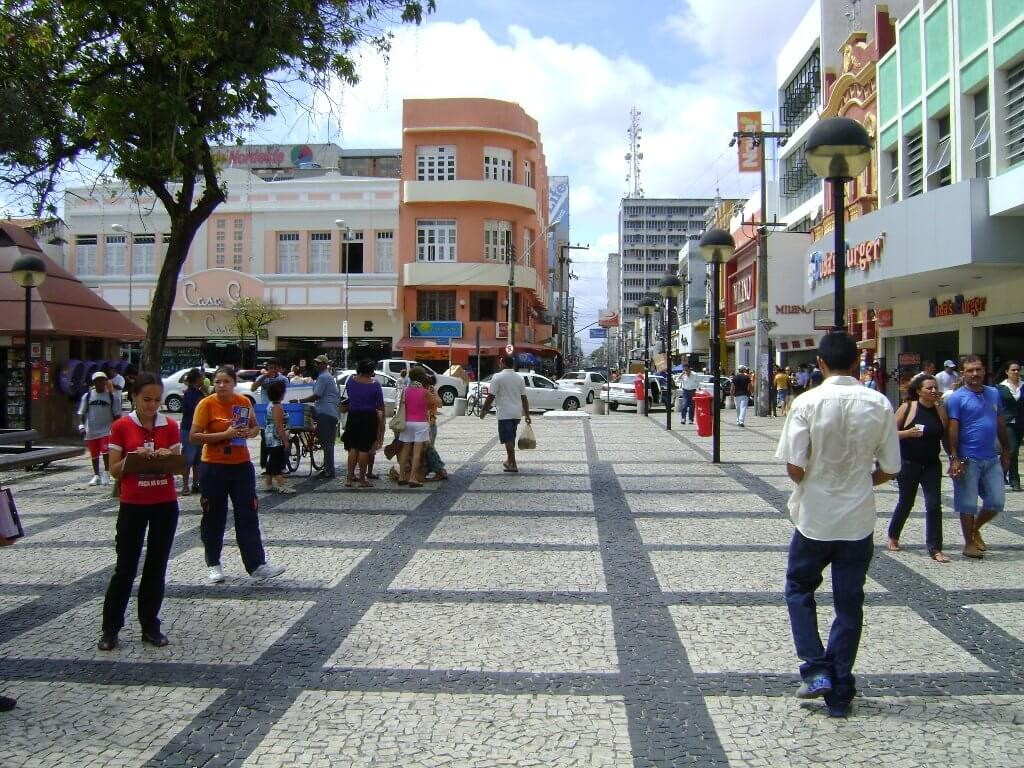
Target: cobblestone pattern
x,y
608,606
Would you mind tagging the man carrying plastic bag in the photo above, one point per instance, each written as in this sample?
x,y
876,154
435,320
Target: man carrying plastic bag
x,y
507,391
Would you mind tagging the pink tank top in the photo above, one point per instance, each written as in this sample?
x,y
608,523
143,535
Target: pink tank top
x,y
415,404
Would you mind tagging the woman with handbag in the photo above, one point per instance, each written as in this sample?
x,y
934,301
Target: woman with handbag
x,y
922,423
363,401
416,403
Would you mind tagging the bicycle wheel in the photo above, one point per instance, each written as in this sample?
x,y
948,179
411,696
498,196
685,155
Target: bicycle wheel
x,y
316,453
471,406
294,455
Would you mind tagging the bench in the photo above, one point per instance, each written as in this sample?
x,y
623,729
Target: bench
x,y
15,436
38,457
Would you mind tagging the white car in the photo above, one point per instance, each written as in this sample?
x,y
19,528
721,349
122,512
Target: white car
x,y
542,393
174,389
588,383
388,384
623,391
448,387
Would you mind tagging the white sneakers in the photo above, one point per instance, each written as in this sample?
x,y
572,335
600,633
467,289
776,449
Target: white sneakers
x,y
267,571
104,478
95,481
286,490
215,574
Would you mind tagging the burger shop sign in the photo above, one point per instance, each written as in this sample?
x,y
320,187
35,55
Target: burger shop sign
x,y
860,256
958,305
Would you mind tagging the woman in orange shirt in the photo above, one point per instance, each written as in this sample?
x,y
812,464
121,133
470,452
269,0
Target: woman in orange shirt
x,y
222,423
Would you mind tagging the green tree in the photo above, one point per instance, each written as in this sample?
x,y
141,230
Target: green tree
x,y
250,316
148,86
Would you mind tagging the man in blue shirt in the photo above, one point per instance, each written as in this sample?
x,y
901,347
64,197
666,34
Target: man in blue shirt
x,y
975,422
326,398
271,373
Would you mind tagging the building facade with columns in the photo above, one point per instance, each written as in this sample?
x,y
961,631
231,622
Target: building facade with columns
x,y
279,241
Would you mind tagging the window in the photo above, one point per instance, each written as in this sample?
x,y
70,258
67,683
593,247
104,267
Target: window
x,y
528,173
528,243
435,163
497,238
319,253
143,251
220,241
483,305
915,164
800,96
237,244
352,253
435,240
435,305
498,164
798,180
892,188
940,170
114,255
981,146
1014,110
385,251
85,255
288,253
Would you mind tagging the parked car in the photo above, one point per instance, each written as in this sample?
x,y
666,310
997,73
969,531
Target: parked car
x,y
623,391
389,384
448,387
174,388
588,383
707,384
542,392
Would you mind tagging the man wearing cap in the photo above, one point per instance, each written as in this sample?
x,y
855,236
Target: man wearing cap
x,y
948,378
326,399
99,409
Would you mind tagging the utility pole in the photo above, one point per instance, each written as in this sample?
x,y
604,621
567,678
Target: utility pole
x,y
563,293
762,341
510,316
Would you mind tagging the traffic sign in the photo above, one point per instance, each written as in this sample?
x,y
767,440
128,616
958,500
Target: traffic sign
x,y
509,349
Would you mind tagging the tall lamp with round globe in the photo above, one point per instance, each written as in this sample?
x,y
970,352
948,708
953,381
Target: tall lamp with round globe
x,y
716,247
669,287
28,272
646,307
838,149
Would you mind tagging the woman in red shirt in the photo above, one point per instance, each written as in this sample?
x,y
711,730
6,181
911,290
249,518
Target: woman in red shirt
x,y
147,501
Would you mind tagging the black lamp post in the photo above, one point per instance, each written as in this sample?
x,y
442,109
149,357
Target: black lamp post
x,y
838,149
669,287
717,247
646,307
29,272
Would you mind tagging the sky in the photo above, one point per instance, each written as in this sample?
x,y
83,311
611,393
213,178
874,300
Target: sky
x,y
578,67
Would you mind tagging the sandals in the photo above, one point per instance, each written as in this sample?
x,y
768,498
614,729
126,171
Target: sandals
x,y
940,557
349,482
893,545
508,467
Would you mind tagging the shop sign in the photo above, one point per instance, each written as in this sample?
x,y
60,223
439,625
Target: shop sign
x,y
214,327
501,330
748,152
193,298
883,318
792,309
908,359
860,256
958,305
430,354
741,290
436,329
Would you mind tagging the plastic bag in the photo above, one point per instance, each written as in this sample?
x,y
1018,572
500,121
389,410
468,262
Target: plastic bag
x,y
527,440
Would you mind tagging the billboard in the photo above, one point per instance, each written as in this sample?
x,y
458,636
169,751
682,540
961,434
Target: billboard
x,y
749,153
599,333
558,210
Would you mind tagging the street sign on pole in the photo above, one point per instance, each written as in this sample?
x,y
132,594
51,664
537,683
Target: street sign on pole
x,y
599,333
344,334
509,349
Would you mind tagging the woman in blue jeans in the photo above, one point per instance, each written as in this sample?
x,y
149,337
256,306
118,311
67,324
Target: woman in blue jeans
x,y
922,423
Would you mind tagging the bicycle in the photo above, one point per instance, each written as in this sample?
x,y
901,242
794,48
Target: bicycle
x,y
302,443
473,405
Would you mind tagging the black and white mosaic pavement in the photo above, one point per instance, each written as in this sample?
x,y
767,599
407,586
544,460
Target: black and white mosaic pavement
x,y
616,603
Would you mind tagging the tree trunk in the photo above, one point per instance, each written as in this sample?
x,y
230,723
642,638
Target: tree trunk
x,y
182,233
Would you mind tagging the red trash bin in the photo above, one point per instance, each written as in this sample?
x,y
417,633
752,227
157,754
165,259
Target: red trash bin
x,y
702,410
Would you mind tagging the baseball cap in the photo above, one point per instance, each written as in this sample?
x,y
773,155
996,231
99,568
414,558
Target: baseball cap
x,y
99,375
949,364
321,359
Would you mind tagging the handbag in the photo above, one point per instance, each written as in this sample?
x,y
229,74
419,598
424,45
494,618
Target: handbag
x,y
343,405
397,423
527,440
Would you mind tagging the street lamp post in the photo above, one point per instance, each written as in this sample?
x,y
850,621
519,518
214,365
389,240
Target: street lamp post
x,y
343,230
28,272
119,229
838,149
669,287
646,307
717,247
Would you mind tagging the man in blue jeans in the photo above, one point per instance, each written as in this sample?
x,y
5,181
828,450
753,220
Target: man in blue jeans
x,y
975,422
326,399
839,440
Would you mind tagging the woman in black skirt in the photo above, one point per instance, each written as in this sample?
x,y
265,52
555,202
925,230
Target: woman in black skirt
x,y
363,402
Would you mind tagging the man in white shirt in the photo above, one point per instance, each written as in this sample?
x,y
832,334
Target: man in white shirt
x,y
507,391
947,378
688,383
833,437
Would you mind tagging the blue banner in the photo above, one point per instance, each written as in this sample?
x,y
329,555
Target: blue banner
x,y
599,333
436,329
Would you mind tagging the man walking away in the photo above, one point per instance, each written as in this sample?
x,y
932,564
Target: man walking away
x,y
688,383
947,378
975,421
803,380
99,409
326,399
741,393
507,391
831,441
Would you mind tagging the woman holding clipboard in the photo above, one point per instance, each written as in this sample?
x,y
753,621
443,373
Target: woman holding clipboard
x,y
144,439
222,423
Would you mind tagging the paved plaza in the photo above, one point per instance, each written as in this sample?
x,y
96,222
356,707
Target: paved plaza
x,y
617,603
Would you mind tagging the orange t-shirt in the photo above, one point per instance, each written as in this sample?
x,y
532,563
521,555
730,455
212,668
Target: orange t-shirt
x,y
214,416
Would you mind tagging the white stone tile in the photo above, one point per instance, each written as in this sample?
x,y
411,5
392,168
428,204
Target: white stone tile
x,y
999,569
679,503
482,637
704,472
70,725
381,498
896,640
13,602
510,482
483,529
417,730
679,482
200,631
717,530
313,526
885,732
97,529
322,567
1006,616
525,502
40,565
494,570
556,468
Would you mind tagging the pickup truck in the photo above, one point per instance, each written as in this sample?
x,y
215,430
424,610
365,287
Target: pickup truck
x,y
448,387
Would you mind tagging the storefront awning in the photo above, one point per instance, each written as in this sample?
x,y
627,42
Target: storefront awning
x,y
412,344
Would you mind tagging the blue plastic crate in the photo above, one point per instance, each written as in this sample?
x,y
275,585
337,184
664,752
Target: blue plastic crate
x,y
294,412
